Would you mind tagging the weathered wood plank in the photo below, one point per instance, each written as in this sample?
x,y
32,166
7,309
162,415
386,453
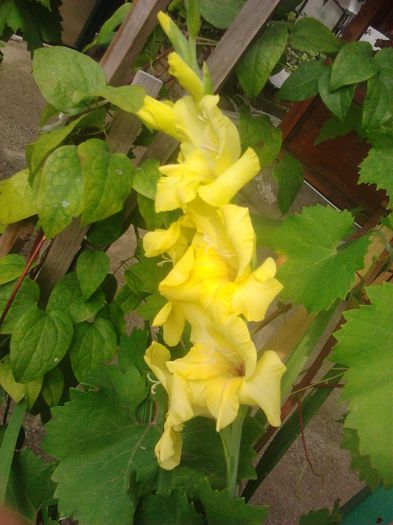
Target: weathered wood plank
x,y
20,230
251,19
125,127
130,39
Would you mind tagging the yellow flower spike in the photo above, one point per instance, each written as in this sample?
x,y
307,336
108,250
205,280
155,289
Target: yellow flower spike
x,y
186,77
226,186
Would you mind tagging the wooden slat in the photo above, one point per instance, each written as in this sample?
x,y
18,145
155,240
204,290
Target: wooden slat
x,y
14,232
130,39
125,127
251,19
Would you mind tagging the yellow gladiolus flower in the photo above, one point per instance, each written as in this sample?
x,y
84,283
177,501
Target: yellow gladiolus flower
x,y
216,270
206,383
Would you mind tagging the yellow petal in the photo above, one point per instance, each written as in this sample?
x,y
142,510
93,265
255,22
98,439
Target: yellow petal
x,y
253,296
186,77
227,185
180,409
201,362
179,273
174,326
155,357
159,115
223,400
168,449
263,388
240,234
222,133
160,241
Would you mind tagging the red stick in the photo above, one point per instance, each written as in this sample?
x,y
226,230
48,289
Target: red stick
x,y
39,242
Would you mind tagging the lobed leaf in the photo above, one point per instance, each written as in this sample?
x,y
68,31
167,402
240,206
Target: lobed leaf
x,y
369,380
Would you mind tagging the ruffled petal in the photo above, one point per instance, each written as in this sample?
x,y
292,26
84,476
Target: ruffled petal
x,y
156,357
169,447
160,241
226,186
201,362
186,77
174,326
264,387
223,400
159,115
253,296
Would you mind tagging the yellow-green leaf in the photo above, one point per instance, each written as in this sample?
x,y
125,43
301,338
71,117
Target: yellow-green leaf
x,y
17,201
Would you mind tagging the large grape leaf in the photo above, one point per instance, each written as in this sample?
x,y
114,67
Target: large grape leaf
x,y
318,267
98,435
365,345
377,168
173,509
360,463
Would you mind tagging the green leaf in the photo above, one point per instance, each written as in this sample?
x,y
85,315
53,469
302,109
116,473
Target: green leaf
x,y
58,190
99,429
146,178
152,219
384,61
17,391
105,232
39,341
203,452
322,517
67,79
364,345
338,101
107,180
108,29
25,300
221,509
259,134
360,463
334,127
193,17
377,105
257,64
92,344
289,174
303,82
377,168
11,267
318,268
47,142
145,275
30,487
173,509
309,34
17,201
151,306
92,268
132,350
353,64
67,296
127,98
220,13
53,386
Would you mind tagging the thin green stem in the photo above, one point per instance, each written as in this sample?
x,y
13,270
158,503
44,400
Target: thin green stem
x,y
231,438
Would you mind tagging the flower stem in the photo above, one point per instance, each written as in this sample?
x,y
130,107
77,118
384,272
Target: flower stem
x,y
231,437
